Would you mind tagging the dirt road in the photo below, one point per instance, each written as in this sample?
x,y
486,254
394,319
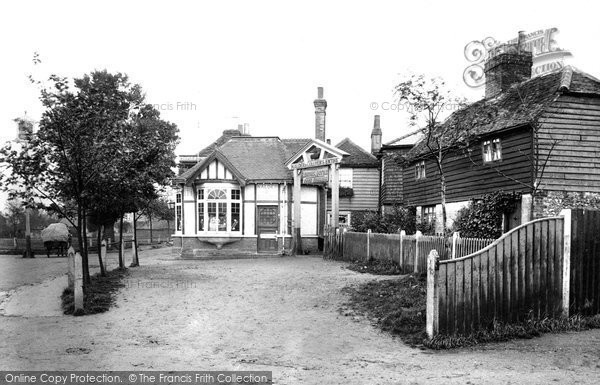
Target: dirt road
x,y
278,314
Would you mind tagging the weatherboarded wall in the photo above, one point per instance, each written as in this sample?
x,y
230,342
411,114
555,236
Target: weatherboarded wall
x,y
468,177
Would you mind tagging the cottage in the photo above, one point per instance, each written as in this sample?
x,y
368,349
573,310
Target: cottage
x,y
536,136
248,194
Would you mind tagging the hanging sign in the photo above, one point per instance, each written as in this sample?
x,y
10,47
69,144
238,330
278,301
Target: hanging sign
x,y
315,175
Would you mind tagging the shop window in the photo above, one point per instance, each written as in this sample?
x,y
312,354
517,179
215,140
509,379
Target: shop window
x,y
219,209
235,217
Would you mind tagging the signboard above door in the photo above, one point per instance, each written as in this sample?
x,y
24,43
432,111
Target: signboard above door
x,y
317,175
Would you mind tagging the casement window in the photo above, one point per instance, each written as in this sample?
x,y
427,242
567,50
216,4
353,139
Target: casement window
x,y
178,212
420,170
219,209
492,150
428,213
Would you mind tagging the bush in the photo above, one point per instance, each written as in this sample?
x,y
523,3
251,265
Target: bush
x,y
483,218
399,218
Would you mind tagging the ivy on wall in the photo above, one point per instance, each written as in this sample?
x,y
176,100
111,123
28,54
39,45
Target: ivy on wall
x,y
482,218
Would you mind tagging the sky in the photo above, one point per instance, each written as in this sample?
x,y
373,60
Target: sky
x,y
209,66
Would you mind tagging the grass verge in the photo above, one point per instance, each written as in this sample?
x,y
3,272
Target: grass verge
x,y
99,295
530,328
375,266
398,306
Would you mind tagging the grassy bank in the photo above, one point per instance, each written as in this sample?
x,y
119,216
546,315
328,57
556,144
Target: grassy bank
x,y
398,306
99,295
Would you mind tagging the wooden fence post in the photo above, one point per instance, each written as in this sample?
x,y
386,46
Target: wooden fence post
x,y
455,237
103,254
78,285
418,235
401,259
71,266
368,245
566,271
432,294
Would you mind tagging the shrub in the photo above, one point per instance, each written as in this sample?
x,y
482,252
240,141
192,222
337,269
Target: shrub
x,y
483,218
398,218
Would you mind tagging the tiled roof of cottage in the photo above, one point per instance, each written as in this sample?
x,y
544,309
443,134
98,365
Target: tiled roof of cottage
x,y
358,157
264,158
258,158
521,104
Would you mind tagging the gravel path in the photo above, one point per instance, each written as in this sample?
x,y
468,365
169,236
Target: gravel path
x,y
277,314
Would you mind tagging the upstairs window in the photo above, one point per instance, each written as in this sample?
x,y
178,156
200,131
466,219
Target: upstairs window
x,y
420,170
492,150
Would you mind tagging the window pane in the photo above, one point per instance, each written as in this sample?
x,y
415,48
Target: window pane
x,y
201,216
217,194
201,194
235,194
178,198
212,216
235,217
178,217
222,216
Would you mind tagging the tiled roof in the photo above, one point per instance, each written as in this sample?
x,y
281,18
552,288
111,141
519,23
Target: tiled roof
x,y
227,134
521,104
258,158
358,157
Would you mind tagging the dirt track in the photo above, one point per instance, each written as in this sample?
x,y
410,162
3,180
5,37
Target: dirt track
x,y
276,314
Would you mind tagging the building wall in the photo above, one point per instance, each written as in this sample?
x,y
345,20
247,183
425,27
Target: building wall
x,y
468,177
569,136
365,185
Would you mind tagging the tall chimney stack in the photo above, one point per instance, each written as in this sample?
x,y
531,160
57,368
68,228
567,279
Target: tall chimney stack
x,y
511,65
320,107
246,129
376,136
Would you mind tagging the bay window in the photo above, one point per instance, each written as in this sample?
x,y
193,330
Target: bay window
x,y
219,209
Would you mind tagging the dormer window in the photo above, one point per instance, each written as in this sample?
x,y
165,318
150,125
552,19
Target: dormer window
x,y
492,150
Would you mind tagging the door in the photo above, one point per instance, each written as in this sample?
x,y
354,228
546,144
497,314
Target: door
x,y
267,228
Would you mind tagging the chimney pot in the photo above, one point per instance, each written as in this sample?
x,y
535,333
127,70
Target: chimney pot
x,y
376,136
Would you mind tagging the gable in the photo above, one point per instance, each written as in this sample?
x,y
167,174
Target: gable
x,y
315,153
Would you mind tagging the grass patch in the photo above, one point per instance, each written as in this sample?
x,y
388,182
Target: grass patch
x,y
99,295
530,328
375,266
398,306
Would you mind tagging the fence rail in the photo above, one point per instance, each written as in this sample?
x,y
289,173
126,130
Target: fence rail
x,y
408,251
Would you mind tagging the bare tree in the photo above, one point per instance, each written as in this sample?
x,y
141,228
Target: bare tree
x,y
427,100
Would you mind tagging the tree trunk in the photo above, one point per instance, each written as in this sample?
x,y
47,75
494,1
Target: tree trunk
x,y
150,217
84,256
121,244
443,196
99,241
135,262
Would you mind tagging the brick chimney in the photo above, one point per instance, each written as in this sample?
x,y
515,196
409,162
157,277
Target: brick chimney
x,y
376,136
320,107
509,65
